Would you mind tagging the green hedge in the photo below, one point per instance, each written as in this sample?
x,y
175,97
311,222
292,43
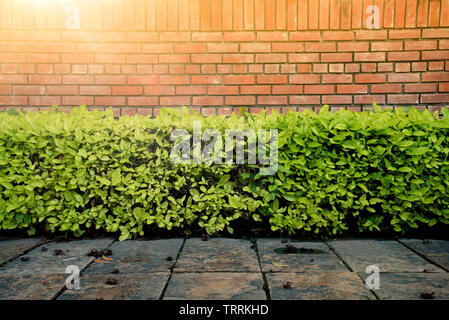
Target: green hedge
x,y
337,171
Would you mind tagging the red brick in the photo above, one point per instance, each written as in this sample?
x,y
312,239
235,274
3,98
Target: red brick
x,y
303,57
287,47
352,67
319,89
174,79
352,88
10,68
369,99
207,36
77,100
272,36
369,56
223,90
190,90
28,90
6,90
239,79
238,58
403,67
175,69
142,58
272,100
175,101
403,98
13,100
270,57
337,99
208,68
353,46
304,78
207,101
403,56
174,36
436,65
157,90
206,79
420,87
320,47
371,34
435,98
305,99
271,68
226,47
336,67
238,36
142,36
419,66
127,91
320,68
192,68
404,34
190,48
443,87
95,90
174,58
240,68
369,67
337,78
157,48
305,36
287,89
386,88
77,58
435,76
110,101
44,100
336,57
385,67
63,90
110,58
35,79
403,77
303,68
421,45
271,79
386,46
240,100
369,78
255,89
224,68
12,57
110,79
224,111
435,55
42,57
338,35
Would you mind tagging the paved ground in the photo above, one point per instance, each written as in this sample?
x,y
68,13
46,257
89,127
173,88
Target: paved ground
x,y
223,268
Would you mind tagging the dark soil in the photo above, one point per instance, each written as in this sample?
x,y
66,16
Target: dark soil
x,y
169,258
428,295
44,249
291,249
287,285
115,271
99,253
25,258
111,281
59,252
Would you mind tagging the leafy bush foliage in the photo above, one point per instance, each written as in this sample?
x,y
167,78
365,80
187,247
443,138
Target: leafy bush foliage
x,y
337,171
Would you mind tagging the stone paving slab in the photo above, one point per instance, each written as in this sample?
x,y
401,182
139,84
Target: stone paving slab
x,y
47,262
11,249
31,286
215,286
434,250
129,287
389,256
318,286
218,255
272,261
410,286
140,256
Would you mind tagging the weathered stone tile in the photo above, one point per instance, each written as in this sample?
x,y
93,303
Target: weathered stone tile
x,y
215,286
10,249
410,286
47,262
31,286
389,256
129,287
218,254
318,286
434,250
140,256
302,257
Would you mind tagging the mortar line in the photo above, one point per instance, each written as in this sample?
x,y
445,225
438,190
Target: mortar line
x,y
24,252
350,269
423,256
63,289
172,269
264,277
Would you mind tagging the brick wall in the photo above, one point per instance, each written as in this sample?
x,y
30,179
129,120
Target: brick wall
x,y
216,55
